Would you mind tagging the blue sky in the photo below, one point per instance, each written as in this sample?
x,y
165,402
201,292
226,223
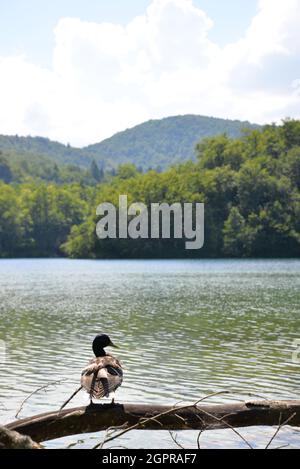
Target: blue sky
x,y
26,27
78,71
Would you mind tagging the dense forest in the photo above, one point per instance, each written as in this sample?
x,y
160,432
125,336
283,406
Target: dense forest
x,y
22,168
155,144
250,186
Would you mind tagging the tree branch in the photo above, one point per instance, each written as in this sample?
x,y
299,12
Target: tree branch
x,y
13,440
100,417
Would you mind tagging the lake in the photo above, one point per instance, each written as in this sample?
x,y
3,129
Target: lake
x,y
185,329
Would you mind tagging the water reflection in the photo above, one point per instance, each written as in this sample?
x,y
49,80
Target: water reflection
x,y
186,329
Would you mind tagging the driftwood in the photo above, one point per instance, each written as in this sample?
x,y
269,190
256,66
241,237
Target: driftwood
x,y
13,440
100,417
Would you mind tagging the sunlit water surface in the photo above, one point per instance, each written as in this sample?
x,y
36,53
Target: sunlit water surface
x,y
186,329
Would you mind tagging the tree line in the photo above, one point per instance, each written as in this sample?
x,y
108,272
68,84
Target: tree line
x,y
250,186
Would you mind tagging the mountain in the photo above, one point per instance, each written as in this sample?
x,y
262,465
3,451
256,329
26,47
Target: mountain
x,y
156,143
28,167
61,154
163,142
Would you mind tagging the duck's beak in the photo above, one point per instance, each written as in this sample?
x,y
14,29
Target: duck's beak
x,y
113,345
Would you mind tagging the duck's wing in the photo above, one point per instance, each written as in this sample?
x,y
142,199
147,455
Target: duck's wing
x,y
102,376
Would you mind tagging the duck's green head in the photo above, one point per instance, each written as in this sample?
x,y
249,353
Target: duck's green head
x,y
102,341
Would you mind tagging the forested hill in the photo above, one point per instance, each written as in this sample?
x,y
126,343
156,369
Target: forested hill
x,y
161,143
250,187
154,144
43,147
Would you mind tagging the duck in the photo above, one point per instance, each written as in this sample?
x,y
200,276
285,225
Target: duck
x,y
104,374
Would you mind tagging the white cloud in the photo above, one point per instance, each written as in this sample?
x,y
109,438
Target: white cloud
x,y
106,77
296,87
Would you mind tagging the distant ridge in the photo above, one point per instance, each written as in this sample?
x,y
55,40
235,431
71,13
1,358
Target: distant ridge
x,y
153,144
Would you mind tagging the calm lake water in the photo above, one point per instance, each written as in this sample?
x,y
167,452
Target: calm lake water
x,y
185,329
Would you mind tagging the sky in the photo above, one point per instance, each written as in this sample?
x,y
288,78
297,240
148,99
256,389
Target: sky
x,y
79,71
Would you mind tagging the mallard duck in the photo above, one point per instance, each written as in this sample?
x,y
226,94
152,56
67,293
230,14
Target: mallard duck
x,y
104,373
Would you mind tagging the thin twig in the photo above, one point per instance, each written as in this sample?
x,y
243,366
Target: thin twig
x,y
198,439
143,422
175,440
222,419
201,431
104,439
110,431
70,398
279,428
54,383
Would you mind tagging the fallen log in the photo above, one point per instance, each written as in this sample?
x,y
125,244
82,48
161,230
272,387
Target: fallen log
x,y
99,417
13,440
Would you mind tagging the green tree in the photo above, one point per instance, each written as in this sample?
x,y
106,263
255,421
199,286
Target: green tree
x,y
211,151
96,173
5,170
291,165
291,133
233,234
127,171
